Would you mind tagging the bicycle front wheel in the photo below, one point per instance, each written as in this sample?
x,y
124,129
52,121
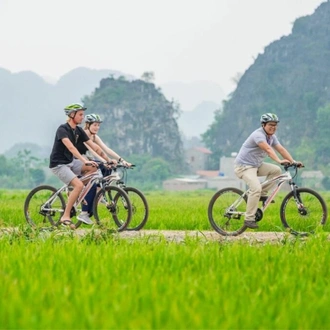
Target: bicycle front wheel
x,y
305,213
223,212
42,209
140,209
112,208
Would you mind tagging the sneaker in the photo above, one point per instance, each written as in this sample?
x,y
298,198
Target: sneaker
x,y
83,217
102,200
251,224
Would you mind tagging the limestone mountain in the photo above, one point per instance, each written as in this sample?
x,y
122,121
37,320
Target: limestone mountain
x,y
137,119
292,79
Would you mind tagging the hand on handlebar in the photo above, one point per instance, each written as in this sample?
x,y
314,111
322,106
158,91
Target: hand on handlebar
x,y
111,164
127,164
299,164
91,163
285,162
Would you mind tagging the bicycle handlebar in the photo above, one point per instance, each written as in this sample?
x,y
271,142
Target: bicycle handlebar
x,y
295,165
112,164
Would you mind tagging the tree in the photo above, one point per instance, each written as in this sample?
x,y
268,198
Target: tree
x,y
148,77
37,176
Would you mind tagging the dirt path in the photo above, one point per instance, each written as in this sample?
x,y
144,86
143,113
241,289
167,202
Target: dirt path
x,y
181,235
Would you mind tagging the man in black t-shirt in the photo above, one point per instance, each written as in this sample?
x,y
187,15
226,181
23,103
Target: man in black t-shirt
x,y
67,163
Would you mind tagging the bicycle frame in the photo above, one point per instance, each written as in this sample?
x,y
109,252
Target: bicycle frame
x,y
93,178
281,179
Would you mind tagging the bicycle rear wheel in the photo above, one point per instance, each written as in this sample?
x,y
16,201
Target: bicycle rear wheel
x,y
112,208
140,209
219,212
310,213
40,210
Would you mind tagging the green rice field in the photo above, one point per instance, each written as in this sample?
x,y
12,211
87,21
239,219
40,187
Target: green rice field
x,y
60,280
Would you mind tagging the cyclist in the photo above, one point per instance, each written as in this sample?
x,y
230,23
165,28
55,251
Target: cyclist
x,y
67,163
249,163
92,126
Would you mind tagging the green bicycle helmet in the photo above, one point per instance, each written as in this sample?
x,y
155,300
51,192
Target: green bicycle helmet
x,y
267,117
74,107
93,118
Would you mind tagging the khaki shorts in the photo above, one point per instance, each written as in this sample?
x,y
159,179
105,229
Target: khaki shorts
x,y
67,172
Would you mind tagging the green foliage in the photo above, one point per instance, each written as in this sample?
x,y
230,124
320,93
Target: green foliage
x,y
23,171
37,176
148,173
326,182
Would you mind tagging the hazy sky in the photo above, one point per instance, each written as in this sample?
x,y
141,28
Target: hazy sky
x,y
179,40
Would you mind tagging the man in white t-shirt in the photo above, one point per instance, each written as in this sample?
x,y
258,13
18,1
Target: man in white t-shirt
x,y
249,163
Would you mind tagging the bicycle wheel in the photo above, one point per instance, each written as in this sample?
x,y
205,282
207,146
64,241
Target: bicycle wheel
x,y
305,217
112,208
41,210
140,209
222,220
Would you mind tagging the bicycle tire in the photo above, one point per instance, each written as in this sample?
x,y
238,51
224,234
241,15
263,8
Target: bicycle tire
x,y
312,214
226,224
112,208
140,209
36,199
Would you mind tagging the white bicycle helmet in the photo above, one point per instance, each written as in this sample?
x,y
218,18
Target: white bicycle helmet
x,y
267,117
93,118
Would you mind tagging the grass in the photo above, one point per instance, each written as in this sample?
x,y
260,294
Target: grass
x,y
58,280
167,210
63,282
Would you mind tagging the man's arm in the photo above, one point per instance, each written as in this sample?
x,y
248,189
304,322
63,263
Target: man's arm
x,y
272,154
75,152
284,153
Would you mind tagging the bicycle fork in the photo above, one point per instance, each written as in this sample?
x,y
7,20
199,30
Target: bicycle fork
x,y
296,196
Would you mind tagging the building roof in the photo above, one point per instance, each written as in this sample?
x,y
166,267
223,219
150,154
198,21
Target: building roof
x,y
203,150
208,174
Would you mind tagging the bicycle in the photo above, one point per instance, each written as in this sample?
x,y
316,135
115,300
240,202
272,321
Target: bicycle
x,y
45,204
140,208
301,212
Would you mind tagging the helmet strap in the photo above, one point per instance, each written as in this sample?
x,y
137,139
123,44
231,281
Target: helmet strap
x,y
75,112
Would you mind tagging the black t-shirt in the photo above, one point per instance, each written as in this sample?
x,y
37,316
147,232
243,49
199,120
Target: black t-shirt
x,y
60,154
81,147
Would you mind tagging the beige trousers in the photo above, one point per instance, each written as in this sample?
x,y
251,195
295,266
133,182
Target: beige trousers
x,y
250,175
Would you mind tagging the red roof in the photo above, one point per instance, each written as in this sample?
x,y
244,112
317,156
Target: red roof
x,y
203,150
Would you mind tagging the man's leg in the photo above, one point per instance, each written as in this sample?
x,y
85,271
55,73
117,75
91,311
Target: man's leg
x,y
74,194
249,175
269,171
65,174
251,179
